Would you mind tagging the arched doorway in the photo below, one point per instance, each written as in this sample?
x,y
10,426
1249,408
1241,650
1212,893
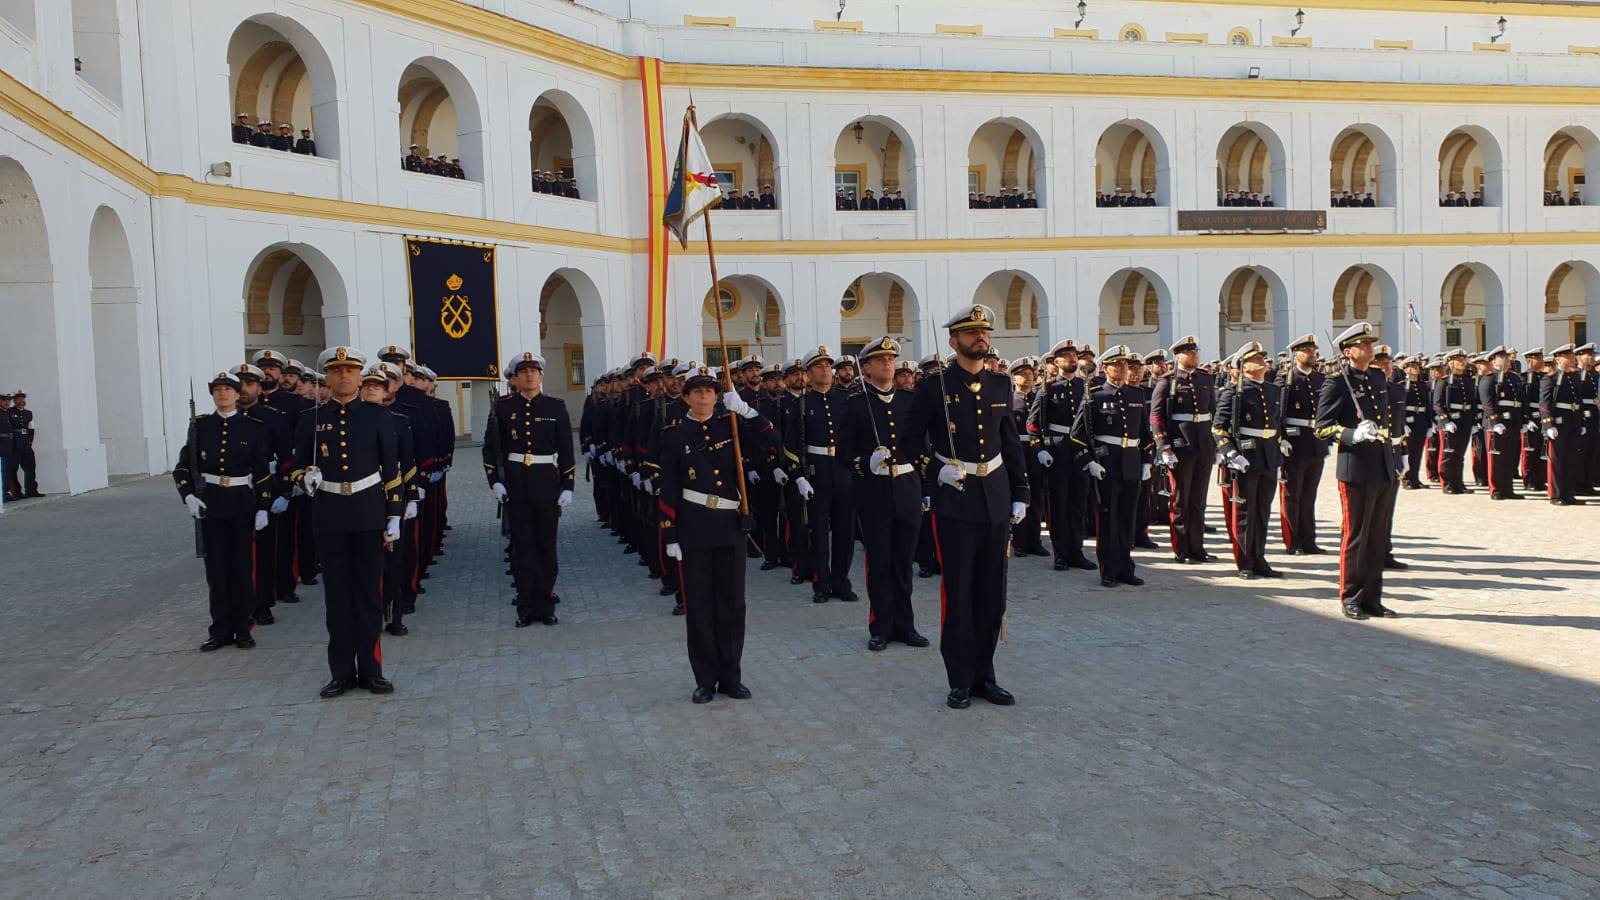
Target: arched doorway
x,y
1005,166
289,302
1250,167
97,44
753,320
561,147
29,341
1015,297
1367,293
114,312
1362,168
279,73
1470,169
1566,163
874,153
571,335
1471,308
745,159
1568,295
1130,166
878,304
1135,309
1247,307
439,115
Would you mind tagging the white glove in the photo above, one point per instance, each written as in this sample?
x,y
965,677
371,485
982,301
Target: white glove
x,y
588,453
1096,471
421,494
674,551
1169,459
391,532
298,491
635,479
753,476
1144,472
1531,427
499,491
1583,431
1498,428
950,475
1238,463
736,405
1551,433
312,480
1367,431
1405,465
650,486
780,477
280,505
197,507
878,463
1018,511
411,510
436,477
1045,459
804,488
261,519
1285,448
606,457
565,499
927,503
1449,427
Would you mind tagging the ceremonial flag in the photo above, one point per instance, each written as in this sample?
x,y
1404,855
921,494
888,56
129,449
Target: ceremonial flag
x,y
1411,315
694,185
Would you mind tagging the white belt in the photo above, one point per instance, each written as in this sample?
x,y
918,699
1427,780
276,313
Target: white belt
x,y
821,451
1263,433
979,469
1510,403
1571,406
1455,406
532,459
1191,417
1591,401
226,480
1298,423
898,469
346,488
1397,440
1416,409
1060,429
709,501
1117,441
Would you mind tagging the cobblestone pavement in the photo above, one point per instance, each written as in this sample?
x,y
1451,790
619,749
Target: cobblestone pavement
x,y
1202,736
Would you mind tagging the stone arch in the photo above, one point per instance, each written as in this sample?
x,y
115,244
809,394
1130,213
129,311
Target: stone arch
x,y
1010,154
1131,158
439,113
30,342
572,334
1368,293
278,72
561,140
114,314
742,144
879,153
1362,161
1135,308
886,305
1566,161
1251,160
1249,304
295,303
746,330
1469,161
1571,297
97,42
1015,295
1471,308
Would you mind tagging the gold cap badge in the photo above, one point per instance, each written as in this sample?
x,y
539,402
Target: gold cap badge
x,y
454,282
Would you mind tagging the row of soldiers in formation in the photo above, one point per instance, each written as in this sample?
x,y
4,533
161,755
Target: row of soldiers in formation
x,y
441,165
1125,198
338,471
19,468
732,199
956,465
1008,198
891,200
262,136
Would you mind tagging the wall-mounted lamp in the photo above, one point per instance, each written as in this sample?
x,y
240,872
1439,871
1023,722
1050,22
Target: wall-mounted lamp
x,y
222,170
1083,13
1495,38
858,131
1299,22
1255,72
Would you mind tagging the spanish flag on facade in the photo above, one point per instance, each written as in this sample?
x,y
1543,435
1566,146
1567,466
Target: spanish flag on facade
x,y
694,186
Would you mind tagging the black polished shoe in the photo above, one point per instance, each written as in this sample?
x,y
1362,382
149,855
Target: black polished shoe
x,y
1205,557
666,590
524,621
1132,581
1108,582
1390,562
1268,572
215,644
398,629
1382,612
1183,559
677,609
377,684
1314,550
768,566
309,582
848,597
1297,551
913,639
1060,565
1355,612
925,572
994,693
1211,529
549,620
336,688
798,579
819,596
702,695
265,617
737,692
958,698
877,642
1018,552
1038,551
1084,563
245,642
290,597
1147,544
1246,574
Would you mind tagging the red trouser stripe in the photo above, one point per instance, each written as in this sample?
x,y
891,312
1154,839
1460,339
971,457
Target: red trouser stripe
x,y
1173,499
1344,539
1283,514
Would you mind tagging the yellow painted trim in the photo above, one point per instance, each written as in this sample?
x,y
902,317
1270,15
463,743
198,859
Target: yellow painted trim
x,y
983,177
1485,47
710,21
1089,243
1134,27
469,21
1580,50
970,30
1249,38
1081,34
733,310
1436,7
1284,40
1393,45
830,25
1186,37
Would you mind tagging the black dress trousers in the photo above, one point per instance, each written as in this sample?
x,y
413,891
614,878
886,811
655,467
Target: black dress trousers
x,y
352,570
230,579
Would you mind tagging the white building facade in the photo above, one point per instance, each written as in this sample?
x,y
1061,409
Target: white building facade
x,y
141,249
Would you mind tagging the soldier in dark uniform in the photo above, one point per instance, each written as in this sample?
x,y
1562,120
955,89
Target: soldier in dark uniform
x,y
25,471
1418,419
1182,407
1502,398
1454,410
295,554
378,390
1026,536
241,129
1383,361
797,516
888,494
529,464
1589,470
305,146
1304,452
1561,418
349,462
7,448
1248,429
284,139
700,507
844,375
978,488
1353,408
1112,441
1477,369
667,409
229,497
1063,488
766,492
413,162
279,427
262,136
811,439
1534,467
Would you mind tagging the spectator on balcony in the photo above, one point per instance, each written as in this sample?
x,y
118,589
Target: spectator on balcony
x,y
1575,200
1030,201
262,136
284,139
1266,200
1368,201
1477,199
768,199
972,200
241,130
305,146
411,162
869,202
843,201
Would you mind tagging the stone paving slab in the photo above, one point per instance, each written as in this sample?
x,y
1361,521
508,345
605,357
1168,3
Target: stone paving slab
x,y
1200,737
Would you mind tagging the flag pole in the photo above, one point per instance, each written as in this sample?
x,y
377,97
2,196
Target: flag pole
x,y
722,342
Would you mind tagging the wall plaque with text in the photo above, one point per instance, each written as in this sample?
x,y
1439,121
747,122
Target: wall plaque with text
x,y
1253,219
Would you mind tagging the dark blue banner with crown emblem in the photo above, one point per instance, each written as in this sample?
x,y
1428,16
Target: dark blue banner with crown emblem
x,y
454,330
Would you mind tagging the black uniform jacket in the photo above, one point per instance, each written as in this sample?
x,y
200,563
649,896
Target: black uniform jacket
x,y
347,443
1255,433
1346,399
985,437
1560,401
817,421
697,468
237,448
874,419
1179,408
1113,429
1299,412
1054,408
538,432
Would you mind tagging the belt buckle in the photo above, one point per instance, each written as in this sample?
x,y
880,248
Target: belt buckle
x,y
344,489
226,481
527,460
981,470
